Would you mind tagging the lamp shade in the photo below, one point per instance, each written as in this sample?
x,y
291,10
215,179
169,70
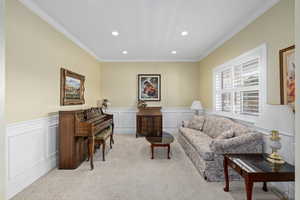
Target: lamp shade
x,y
196,105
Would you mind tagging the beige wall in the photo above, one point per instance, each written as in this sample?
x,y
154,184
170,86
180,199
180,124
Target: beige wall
x,y
275,28
297,140
34,54
3,150
179,82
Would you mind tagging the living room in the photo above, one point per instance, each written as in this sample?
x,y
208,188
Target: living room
x,y
208,77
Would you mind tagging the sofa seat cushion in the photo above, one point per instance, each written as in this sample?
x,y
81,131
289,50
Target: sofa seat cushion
x,y
200,142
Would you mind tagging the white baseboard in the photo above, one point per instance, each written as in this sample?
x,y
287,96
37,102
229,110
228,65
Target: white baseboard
x,y
32,152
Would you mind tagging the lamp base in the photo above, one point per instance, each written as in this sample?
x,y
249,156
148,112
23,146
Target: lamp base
x,y
275,158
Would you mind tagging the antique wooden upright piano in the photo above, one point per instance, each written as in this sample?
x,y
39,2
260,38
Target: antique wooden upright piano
x,y
77,129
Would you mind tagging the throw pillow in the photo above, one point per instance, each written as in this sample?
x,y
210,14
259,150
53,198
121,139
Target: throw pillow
x,y
197,123
226,134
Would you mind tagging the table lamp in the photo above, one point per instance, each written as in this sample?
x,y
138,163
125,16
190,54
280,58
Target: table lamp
x,y
275,145
197,106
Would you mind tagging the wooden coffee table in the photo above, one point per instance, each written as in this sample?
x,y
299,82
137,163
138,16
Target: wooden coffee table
x,y
255,168
160,141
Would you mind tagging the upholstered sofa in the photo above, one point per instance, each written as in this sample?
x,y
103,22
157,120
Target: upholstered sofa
x,y
206,138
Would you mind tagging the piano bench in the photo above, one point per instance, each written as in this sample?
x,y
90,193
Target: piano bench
x,y
100,139
103,135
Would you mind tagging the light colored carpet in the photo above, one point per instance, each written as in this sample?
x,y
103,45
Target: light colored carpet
x,y
129,174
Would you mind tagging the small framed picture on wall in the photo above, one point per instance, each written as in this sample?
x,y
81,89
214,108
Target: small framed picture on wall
x,y
287,76
71,88
149,87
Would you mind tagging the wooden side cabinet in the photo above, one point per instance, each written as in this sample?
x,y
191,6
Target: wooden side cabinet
x,y
149,122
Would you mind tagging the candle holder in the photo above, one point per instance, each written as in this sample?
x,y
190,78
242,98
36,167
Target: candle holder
x,y
275,145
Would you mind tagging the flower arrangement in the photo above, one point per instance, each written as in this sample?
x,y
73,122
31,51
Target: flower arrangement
x,y
141,104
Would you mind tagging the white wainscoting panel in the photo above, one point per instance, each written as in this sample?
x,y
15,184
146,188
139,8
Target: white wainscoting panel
x,y
125,118
32,151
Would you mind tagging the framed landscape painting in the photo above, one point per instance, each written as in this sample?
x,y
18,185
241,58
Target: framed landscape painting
x,y
71,88
287,76
149,87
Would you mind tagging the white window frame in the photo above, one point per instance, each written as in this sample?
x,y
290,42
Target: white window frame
x,y
259,52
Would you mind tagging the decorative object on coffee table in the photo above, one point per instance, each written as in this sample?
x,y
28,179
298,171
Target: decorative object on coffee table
x,y
149,87
275,145
163,141
197,107
149,122
71,88
256,168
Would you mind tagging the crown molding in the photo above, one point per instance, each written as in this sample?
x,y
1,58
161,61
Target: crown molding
x,y
148,60
238,28
59,27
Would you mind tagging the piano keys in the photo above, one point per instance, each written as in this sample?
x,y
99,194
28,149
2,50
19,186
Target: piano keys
x,y
76,129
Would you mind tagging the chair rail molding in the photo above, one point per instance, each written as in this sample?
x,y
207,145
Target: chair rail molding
x,y
31,151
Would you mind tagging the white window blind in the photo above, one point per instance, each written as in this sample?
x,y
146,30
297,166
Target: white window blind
x,y
237,88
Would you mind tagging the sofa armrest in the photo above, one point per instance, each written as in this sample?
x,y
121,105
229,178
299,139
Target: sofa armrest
x,y
185,123
247,143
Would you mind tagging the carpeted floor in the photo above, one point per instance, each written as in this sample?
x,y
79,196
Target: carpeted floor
x,y
129,174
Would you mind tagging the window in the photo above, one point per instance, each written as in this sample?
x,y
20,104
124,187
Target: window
x,y
239,85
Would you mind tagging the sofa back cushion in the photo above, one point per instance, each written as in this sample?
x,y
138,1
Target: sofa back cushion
x,y
226,134
215,126
239,129
196,123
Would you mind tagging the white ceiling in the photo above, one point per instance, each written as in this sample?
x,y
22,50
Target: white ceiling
x,y
149,29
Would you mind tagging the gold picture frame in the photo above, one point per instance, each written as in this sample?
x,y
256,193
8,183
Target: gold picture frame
x,y
287,76
71,88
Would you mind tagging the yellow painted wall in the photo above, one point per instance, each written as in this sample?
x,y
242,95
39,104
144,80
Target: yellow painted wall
x,y
35,52
179,82
275,28
297,119
3,138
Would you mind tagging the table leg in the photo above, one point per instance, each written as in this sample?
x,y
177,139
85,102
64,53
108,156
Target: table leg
x,y
88,150
265,187
168,151
249,187
152,153
91,151
225,163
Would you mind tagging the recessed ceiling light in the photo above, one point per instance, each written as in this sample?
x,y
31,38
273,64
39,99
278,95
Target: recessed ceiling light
x,y
173,52
184,33
115,33
124,52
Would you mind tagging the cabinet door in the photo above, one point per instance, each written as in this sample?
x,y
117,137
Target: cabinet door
x,y
146,125
157,126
